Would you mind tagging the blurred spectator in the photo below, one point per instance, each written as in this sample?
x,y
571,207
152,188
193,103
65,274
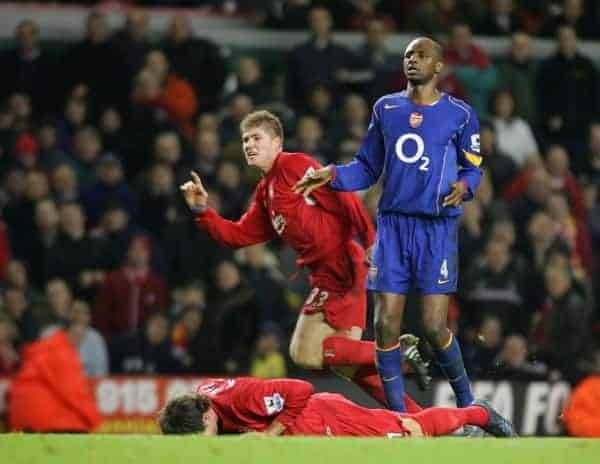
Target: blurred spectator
x,y
129,294
472,66
110,186
50,155
560,326
93,65
588,166
111,129
565,111
379,61
4,248
268,362
28,69
482,352
501,167
249,80
92,348
65,185
20,212
158,200
18,309
74,253
157,87
47,221
145,351
167,148
573,14
132,44
317,61
236,313
531,200
261,268
9,356
309,138
238,107
562,180
436,17
59,300
513,363
17,276
198,60
205,158
87,148
573,231
353,121
50,392
494,281
75,116
514,135
501,19
471,232
321,104
235,193
517,73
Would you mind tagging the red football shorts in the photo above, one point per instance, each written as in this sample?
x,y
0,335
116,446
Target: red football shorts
x,y
338,288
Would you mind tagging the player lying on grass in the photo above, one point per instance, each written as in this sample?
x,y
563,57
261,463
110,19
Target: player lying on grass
x,y
290,407
322,229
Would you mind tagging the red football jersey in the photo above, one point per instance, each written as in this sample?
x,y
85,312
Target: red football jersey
x,y
249,404
318,228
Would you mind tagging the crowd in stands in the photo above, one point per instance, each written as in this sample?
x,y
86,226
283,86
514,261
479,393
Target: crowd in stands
x,y
95,139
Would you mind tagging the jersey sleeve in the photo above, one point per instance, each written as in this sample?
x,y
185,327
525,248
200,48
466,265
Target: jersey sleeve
x,y
366,168
252,228
468,154
281,399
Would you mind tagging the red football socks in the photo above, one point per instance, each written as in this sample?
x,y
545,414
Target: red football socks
x,y
442,421
343,351
367,378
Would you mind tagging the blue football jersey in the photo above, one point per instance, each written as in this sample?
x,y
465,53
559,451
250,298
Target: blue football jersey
x,y
421,150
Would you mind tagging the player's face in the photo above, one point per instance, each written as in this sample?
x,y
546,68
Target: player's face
x,y
421,62
211,423
260,147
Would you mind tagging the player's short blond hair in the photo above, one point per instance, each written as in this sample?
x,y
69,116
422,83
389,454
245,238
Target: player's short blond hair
x,y
265,120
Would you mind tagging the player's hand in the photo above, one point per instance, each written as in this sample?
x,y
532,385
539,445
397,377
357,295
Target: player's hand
x,y
194,192
456,196
313,180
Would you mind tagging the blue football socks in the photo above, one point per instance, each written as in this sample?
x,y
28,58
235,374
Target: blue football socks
x,y
389,365
451,363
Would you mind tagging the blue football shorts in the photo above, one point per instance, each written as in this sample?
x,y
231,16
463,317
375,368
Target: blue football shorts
x,y
414,252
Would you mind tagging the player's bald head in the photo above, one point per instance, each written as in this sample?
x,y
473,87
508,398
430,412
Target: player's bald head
x,y
427,44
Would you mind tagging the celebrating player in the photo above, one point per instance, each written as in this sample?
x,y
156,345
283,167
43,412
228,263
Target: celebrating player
x,y
427,144
289,407
321,228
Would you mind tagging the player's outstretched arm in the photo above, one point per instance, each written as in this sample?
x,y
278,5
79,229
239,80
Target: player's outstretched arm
x,y
313,180
194,193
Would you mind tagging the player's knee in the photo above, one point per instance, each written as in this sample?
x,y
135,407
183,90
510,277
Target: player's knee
x,y
304,358
387,329
437,333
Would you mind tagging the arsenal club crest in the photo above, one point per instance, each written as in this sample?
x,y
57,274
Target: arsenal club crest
x,y
415,120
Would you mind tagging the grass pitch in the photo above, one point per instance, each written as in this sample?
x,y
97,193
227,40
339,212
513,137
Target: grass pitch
x,y
145,449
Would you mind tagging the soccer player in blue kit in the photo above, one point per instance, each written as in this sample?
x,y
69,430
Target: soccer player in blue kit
x,y
426,144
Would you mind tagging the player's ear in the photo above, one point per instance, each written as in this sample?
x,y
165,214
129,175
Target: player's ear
x,y
438,67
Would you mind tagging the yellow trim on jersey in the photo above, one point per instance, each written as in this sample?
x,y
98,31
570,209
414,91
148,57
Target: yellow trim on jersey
x,y
475,160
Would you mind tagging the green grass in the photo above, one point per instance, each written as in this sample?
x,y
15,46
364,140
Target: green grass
x,y
112,449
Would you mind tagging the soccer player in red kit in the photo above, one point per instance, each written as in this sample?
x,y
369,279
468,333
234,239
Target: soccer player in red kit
x,y
290,407
322,229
